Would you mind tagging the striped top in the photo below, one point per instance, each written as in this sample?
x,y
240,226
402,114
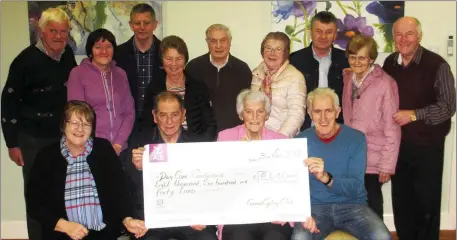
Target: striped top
x,y
181,91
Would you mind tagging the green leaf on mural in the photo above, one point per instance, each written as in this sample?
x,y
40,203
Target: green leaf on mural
x,y
328,5
289,30
295,39
101,16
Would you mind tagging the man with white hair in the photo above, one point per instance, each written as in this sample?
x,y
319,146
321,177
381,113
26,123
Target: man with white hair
x,y
35,93
224,75
427,103
337,162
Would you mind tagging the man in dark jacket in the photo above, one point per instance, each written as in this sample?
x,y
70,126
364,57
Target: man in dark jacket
x,y
140,56
169,115
321,63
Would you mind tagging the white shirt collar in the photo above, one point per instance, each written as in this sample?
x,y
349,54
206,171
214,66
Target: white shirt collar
x,y
329,54
220,65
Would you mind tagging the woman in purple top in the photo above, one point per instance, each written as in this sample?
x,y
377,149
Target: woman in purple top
x,y
370,99
99,82
254,107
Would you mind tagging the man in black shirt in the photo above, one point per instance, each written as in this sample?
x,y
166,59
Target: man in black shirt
x,y
35,94
224,75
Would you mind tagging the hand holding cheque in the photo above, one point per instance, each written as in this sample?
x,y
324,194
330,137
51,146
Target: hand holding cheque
x,y
225,183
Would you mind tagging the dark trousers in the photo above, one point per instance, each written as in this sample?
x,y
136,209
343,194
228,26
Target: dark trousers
x,y
30,146
374,194
416,191
181,233
258,231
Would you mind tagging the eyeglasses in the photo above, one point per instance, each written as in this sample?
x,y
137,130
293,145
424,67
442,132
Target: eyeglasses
x,y
76,125
359,58
270,49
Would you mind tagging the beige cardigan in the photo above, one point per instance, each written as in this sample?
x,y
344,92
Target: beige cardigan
x,y
288,98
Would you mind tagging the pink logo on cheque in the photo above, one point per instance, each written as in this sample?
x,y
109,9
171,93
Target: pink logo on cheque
x,y
158,153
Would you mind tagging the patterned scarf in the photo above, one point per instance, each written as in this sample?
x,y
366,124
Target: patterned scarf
x,y
81,196
266,83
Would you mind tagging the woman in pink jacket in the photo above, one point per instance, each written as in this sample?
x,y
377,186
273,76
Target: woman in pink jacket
x,y
370,99
254,108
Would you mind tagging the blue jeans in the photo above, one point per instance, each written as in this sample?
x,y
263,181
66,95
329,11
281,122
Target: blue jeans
x,y
356,219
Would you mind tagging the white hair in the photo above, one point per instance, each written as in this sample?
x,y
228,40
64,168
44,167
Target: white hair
x,y
218,26
319,93
248,95
53,14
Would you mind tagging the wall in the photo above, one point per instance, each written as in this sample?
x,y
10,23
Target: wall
x,y
249,22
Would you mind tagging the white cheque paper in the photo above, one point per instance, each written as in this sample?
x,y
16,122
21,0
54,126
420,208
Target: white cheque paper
x,y
225,183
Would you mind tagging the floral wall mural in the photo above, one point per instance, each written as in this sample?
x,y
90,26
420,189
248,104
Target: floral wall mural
x,y
87,16
373,18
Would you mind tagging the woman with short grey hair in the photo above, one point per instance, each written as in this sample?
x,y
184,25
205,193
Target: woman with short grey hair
x,y
253,108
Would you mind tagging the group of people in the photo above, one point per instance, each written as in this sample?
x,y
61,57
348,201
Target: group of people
x,y
365,125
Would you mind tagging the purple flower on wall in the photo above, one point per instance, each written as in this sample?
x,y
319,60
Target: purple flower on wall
x,y
284,9
350,27
386,11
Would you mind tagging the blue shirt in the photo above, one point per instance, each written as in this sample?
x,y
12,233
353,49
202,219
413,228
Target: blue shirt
x,y
345,157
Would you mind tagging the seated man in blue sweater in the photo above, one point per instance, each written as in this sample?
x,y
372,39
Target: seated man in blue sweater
x,y
337,162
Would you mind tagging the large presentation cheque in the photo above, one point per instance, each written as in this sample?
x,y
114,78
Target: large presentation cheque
x,y
225,183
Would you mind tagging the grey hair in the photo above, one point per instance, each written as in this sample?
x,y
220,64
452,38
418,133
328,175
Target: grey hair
x,y
218,26
248,95
416,21
322,92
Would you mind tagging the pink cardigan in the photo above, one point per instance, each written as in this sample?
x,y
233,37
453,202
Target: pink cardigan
x,y
236,134
239,132
372,113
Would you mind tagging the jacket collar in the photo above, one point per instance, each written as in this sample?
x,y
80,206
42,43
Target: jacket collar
x,y
309,51
155,44
372,76
260,70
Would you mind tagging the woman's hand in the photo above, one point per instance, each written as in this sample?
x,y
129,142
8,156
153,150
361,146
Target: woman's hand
x,y
311,225
117,148
198,227
135,226
347,71
384,177
279,223
74,230
137,158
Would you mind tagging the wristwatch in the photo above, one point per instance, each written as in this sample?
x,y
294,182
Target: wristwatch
x,y
413,116
330,178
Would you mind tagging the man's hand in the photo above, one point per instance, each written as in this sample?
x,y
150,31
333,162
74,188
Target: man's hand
x,y
384,177
16,156
316,167
74,230
311,225
117,148
198,227
137,158
135,226
403,117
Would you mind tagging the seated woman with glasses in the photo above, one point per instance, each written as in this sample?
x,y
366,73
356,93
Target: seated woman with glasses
x,y
370,99
282,83
76,188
